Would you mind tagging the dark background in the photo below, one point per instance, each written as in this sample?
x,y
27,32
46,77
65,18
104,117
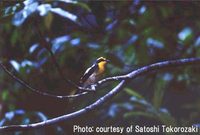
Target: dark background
x,y
129,33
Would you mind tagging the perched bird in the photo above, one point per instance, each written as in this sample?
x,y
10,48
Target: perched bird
x,y
94,73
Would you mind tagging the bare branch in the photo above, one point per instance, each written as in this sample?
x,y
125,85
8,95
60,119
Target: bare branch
x,y
113,92
46,44
41,92
149,68
67,116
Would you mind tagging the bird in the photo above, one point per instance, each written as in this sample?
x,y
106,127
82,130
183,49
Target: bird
x,y
94,73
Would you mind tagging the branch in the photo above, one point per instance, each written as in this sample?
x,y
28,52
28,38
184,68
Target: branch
x,y
47,45
105,98
152,67
40,92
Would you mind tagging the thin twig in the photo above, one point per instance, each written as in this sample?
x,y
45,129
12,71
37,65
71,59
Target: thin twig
x,y
25,84
47,45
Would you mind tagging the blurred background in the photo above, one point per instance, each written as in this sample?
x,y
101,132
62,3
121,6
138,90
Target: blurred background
x,y
130,33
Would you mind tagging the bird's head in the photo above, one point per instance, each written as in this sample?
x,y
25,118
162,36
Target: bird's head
x,y
101,62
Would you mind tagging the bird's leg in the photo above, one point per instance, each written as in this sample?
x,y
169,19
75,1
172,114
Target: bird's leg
x,y
93,87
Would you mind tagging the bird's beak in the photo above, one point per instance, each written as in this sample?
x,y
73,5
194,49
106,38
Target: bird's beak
x,y
107,60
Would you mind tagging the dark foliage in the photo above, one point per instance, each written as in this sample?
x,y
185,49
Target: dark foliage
x,y
34,34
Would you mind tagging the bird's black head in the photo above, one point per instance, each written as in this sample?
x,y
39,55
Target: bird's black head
x,y
102,59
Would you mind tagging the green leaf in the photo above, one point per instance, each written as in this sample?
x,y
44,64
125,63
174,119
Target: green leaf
x,y
133,93
5,95
84,6
139,113
159,93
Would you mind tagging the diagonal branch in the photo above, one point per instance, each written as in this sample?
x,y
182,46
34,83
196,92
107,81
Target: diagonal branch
x,y
108,96
67,116
25,84
152,67
47,45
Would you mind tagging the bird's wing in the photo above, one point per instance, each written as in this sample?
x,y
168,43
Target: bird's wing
x,y
88,72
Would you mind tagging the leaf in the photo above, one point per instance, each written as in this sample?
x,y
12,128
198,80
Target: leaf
x,y
43,9
64,14
139,113
159,92
154,43
84,6
133,93
69,1
57,43
5,95
26,121
48,20
140,101
7,13
21,16
33,48
15,65
10,115
185,33
2,122
41,116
